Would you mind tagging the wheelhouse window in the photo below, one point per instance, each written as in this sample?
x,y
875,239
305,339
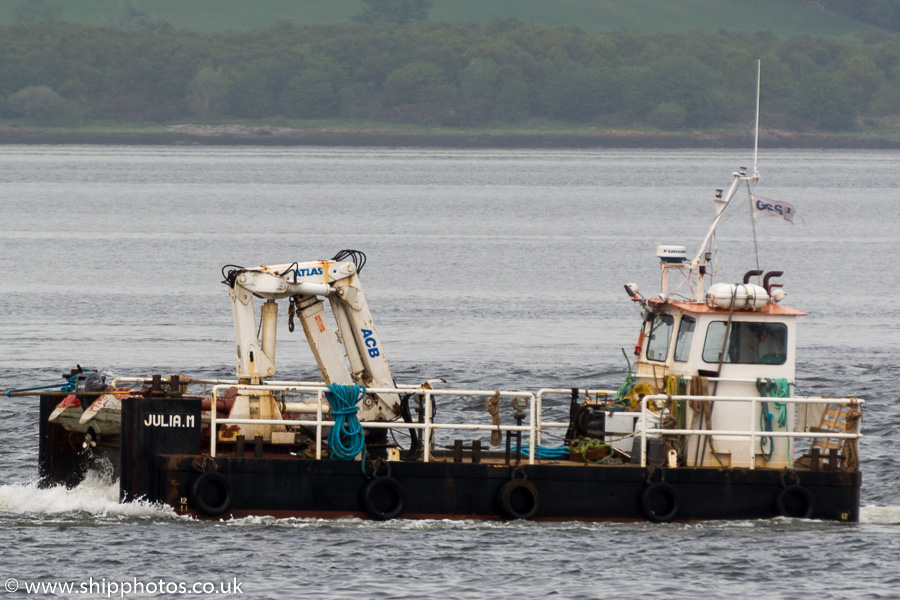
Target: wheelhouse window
x,y
660,336
684,338
748,343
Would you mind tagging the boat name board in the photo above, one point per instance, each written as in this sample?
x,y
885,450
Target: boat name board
x,y
163,420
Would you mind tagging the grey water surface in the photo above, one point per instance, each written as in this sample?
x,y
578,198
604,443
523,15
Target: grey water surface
x,y
487,268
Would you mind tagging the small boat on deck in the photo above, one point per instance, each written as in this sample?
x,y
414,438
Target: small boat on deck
x,y
706,426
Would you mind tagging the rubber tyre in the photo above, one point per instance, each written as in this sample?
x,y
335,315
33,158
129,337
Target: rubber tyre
x,y
212,493
795,502
519,499
384,498
660,502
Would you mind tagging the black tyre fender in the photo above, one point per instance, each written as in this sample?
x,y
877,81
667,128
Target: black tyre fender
x,y
795,502
212,493
384,498
519,499
660,502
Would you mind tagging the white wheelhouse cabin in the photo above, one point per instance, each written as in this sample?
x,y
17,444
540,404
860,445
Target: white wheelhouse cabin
x,y
688,339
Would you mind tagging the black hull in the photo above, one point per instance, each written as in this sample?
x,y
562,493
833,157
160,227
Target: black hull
x,y
298,487
170,464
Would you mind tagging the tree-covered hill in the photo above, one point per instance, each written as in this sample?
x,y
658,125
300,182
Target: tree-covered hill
x,y
392,65
444,74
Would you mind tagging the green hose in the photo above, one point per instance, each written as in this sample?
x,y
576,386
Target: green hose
x,y
772,388
625,389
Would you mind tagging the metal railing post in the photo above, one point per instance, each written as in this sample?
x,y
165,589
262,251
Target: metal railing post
x,y
213,410
427,431
534,431
753,434
644,431
319,396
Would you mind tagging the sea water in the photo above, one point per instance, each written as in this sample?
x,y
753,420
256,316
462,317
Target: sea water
x,y
500,268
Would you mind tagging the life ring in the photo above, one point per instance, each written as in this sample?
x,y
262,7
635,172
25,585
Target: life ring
x,y
795,502
212,493
660,502
519,499
384,498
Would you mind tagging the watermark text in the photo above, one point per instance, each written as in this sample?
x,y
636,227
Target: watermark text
x,y
114,588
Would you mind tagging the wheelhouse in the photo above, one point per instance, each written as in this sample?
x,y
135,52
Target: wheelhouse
x,y
732,345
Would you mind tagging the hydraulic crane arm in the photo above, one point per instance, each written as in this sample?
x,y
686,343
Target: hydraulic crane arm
x,y
305,284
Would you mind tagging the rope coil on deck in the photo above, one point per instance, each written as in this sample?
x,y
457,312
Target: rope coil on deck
x,y
346,440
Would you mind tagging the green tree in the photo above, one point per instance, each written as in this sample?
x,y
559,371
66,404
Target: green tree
x,y
575,93
407,84
513,101
862,77
780,82
206,93
478,80
16,73
685,81
885,101
824,101
420,93
395,11
41,105
512,59
309,96
668,115
635,95
739,69
247,93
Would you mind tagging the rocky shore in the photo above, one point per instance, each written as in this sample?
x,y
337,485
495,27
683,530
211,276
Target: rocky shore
x,y
264,135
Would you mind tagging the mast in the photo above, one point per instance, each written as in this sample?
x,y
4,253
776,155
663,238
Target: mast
x,y
722,202
756,136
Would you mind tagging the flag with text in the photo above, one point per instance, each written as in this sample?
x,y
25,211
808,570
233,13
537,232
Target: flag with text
x,y
765,207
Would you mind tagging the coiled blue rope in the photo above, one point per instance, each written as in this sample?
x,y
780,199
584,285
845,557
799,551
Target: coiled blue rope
x,y
346,440
772,388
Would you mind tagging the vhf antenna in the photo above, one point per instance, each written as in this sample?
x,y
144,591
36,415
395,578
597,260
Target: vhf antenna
x,y
756,139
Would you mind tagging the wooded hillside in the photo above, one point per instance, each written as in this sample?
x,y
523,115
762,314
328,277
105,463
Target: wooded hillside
x,y
433,73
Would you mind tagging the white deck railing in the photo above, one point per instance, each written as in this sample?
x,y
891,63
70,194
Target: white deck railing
x,y
753,433
535,424
427,427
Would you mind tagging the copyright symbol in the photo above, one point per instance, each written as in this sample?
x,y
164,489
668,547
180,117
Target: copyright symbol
x,y
12,585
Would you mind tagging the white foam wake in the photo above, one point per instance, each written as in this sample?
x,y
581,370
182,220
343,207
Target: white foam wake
x,y
880,515
96,495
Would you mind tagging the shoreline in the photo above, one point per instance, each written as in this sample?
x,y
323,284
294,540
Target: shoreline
x,y
231,135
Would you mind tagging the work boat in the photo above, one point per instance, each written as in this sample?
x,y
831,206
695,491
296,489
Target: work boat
x,y
706,426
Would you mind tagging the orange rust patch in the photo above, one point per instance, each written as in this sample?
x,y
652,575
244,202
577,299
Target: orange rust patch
x,y
772,309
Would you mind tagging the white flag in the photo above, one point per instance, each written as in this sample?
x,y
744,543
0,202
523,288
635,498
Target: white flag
x,y
764,207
